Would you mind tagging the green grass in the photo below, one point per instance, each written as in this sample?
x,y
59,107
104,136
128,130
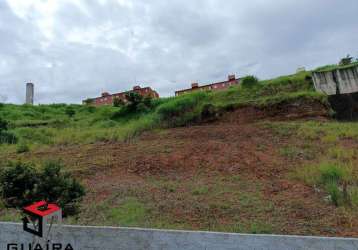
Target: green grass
x,y
51,124
130,213
328,132
201,190
335,67
333,178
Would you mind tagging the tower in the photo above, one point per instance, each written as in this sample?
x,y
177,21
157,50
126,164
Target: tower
x,y
29,93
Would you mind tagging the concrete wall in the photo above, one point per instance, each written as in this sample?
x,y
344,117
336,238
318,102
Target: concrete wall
x,y
347,80
110,238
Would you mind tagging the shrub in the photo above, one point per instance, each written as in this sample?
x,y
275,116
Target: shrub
x,y
3,125
59,187
5,136
179,111
136,104
346,60
133,99
335,193
332,173
249,81
117,102
18,184
88,101
142,108
22,148
8,137
22,184
70,111
209,112
333,178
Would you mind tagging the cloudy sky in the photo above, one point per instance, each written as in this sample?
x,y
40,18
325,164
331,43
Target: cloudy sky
x,y
73,49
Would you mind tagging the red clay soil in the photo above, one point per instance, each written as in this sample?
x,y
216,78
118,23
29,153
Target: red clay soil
x,y
236,145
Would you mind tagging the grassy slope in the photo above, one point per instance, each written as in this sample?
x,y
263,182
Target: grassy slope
x,y
44,128
49,125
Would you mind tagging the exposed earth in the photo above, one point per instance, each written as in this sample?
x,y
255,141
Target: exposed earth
x,y
227,175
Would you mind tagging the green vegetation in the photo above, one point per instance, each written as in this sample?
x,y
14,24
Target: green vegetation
x,y
130,213
336,179
5,136
249,81
264,180
23,184
22,148
336,66
61,124
334,168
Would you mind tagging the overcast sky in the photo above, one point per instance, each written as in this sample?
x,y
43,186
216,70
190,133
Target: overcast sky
x,y
74,49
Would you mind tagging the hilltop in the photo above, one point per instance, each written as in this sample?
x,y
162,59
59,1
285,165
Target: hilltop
x,y
264,157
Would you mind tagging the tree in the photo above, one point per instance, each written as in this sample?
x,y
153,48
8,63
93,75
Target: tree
x,y
88,101
346,60
249,81
118,102
70,111
133,99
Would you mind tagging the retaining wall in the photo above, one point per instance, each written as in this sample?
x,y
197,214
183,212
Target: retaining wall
x,y
110,238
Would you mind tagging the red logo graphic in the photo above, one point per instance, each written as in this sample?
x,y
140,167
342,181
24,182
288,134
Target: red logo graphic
x,y
39,215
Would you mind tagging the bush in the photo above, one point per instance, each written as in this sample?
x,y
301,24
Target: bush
x,y
249,81
209,112
335,193
117,102
21,185
142,108
59,187
3,125
22,148
8,137
179,111
70,111
133,99
331,173
18,184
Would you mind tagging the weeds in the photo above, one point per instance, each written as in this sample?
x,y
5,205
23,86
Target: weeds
x,y
130,213
336,179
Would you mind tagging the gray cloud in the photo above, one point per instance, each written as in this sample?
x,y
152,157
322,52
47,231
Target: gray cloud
x,y
85,47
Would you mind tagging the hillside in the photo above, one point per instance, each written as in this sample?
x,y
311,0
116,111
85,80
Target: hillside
x,y
249,159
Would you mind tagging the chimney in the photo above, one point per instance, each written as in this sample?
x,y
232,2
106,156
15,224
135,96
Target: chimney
x,y
231,78
136,87
194,85
29,93
105,94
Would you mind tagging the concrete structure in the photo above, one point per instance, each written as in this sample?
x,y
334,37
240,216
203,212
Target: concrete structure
x,y
232,80
337,80
29,93
111,238
107,98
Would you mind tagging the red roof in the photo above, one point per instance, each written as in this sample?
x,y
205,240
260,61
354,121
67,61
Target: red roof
x,y
34,208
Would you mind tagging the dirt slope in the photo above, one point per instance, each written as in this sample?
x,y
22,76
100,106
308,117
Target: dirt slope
x,y
227,175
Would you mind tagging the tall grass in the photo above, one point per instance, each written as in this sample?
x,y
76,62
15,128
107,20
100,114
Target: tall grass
x,y
51,124
338,180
